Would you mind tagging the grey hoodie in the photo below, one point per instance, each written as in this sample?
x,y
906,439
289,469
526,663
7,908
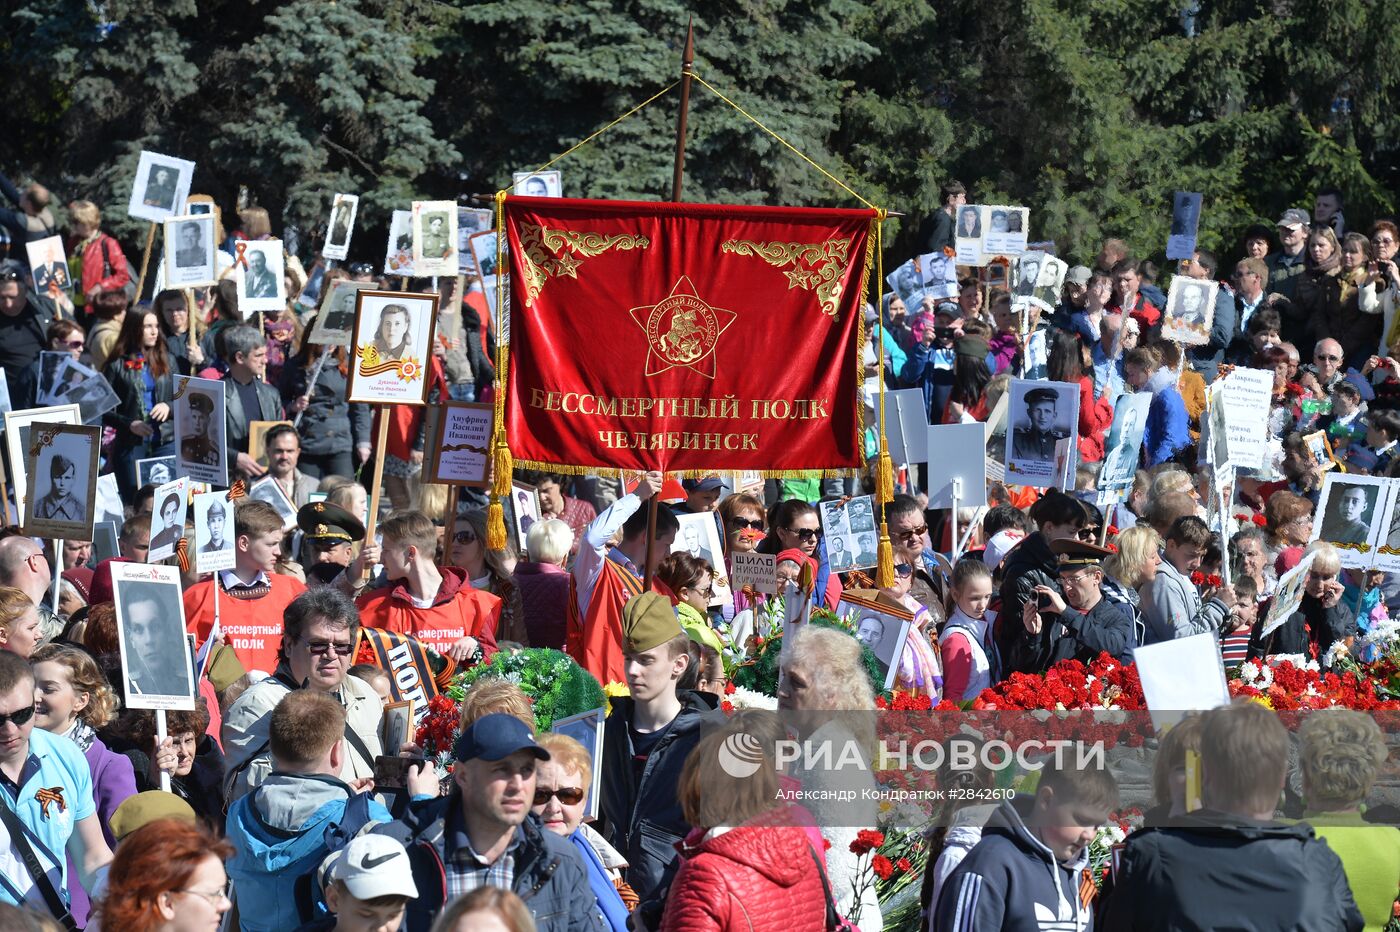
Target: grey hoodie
x,y
1172,608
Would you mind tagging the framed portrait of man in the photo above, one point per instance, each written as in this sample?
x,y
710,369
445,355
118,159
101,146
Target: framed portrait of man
x,y
213,532
155,470
261,285
268,490
340,227
1124,446
201,452
19,425
62,460
881,627
435,238
168,518
470,221
48,265
257,439
699,536
398,254
1190,310
538,184
335,322
190,251
1041,415
1350,516
160,187
157,668
392,343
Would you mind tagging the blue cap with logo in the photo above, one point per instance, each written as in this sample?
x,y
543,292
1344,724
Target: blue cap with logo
x,y
496,737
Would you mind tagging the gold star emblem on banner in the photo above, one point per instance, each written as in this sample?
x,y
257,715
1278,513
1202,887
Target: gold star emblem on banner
x,y
682,330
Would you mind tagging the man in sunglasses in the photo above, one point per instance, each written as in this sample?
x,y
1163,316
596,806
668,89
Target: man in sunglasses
x,y
48,807
318,645
909,535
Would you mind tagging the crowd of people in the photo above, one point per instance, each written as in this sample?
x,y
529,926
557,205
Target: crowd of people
x,y
274,804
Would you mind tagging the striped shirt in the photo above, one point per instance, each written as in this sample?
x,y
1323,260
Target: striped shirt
x,y
1234,647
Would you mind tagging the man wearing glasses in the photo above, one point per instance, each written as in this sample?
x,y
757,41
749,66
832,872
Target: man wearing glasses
x,y
48,807
23,567
318,644
24,318
1081,623
909,535
1327,364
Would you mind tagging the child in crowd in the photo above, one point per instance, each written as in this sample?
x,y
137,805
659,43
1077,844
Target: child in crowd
x,y
368,886
1234,641
967,649
376,677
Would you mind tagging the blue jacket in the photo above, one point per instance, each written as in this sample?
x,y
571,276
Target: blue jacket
x,y
930,368
1207,359
278,835
1168,425
609,900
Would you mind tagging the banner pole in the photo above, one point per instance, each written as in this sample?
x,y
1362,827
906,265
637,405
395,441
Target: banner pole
x,y
677,177
957,498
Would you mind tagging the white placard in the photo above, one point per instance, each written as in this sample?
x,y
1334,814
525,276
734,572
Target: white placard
x,y
156,664
168,519
213,533
758,570
957,451
1180,676
1351,516
906,425
1041,415
340,227
1288,596
1248,396
160,187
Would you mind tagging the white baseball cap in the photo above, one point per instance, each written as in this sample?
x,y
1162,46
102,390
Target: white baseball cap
x,y
1000,545
372,866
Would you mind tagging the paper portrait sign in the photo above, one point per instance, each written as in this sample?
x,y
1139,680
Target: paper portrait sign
x,y
525,503
1350,517
1027,273
155,470
261,285
202,453
906,425
1215,436
398,254
967,236
538,184
1049,283
756,570
881,627
92,393
463,445
1388,555
470,221
5,404
1186,220
18,428
1180,676
267,489
104,541
938,274
1288,596
699,536
435,238
483,247
48,264
213,533
1124,442
996,439
850,534
393,347
109,501
957,451
335,323
340,227
396,726
257,439
168,518
1320,449
1041,414
587,729
905,282
62,464
48,390
160,187
156,666
1190,310
1247,400
190,250
1004,230
748,481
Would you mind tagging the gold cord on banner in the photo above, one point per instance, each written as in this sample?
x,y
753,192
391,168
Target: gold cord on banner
x,y
884,466
501,466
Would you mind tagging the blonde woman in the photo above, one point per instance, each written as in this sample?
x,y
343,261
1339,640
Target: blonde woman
x,y
1134,564
99,256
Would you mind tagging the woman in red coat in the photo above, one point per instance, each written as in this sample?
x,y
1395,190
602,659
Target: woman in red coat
x,y
1070,362
747,865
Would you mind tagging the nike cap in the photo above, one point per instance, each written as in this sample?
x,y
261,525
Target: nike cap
x,y
372,866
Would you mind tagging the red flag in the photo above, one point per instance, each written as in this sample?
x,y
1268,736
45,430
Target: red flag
x,y
688,338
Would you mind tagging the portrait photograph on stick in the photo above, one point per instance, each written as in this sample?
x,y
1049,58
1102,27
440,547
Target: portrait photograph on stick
x,y
849,533
63,464
199,430
213,532
699,536
267,489
160,187
1349,516
261,284
334,324
538,184
168,518
19,426
157,669
881,627
190,252
393,342
1190,310
48,266
434,238
340,227
1042,415
398,253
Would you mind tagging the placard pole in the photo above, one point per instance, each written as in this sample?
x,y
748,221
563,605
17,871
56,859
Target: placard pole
x,y
190,308
1107,520
450,521
381,440
311,383
160,739
145,261
1224,517
957,499
57,571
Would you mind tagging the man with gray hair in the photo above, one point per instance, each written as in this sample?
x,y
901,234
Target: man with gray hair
x,y
24,567
319,629
247,396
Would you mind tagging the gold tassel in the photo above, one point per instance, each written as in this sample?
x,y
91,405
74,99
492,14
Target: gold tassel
x,y
884,474
495,525
502,470
885,572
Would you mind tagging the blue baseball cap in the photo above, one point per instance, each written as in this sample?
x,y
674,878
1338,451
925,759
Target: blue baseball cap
x,y
495,737
707,484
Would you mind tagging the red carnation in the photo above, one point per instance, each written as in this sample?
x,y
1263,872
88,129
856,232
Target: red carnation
x,y
867,840
904,865
882,867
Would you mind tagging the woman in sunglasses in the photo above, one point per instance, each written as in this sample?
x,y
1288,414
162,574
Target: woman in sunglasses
x,y
920,669
796,526
561,797
489,570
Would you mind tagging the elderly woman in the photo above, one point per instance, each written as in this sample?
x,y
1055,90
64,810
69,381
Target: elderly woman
x,y
1341,753
188,754
821,671
561,795
1287,522
543,582
1323,618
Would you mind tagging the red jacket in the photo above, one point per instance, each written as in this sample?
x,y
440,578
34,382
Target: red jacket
x,y
1095,418
754,878
458,611
104,265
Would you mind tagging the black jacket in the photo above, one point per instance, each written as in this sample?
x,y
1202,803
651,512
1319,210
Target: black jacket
x,y
270,409
1310,624
1072,635
1212,874
644,820
130,386
549,874
329,425
1031,563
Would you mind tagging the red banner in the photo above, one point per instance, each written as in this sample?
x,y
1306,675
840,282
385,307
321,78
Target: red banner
x,y
688,338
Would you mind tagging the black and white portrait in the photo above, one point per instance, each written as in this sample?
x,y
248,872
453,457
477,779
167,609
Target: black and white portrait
x,y
1121,452
157,669
340,227
1028,272
62,466
1190,309
19,428
969,222
483,246
883,631
199,430
538,184
160,187
168,518
47,389
848,532
335,324
213,532
190,251
435,237
267,490
1041,415
393,342
1348,510
155,470
261,286
699,536
93,395
1186,214
525,505
470,221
